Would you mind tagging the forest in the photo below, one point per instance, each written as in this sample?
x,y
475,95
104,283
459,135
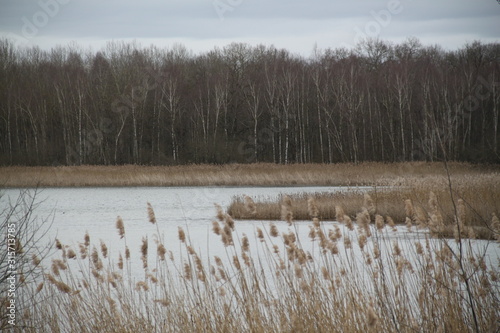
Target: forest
x,y
129,104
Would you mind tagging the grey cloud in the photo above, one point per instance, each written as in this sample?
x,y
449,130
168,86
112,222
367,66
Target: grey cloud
x,y
288,22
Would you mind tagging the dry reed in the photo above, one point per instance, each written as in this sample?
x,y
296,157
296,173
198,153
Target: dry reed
x,y
420,204
348,280
259,174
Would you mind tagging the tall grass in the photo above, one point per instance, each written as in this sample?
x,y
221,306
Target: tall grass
x,y
479,199
259,174
349,276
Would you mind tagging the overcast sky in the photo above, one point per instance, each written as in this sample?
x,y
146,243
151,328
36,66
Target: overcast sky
x,y
296,25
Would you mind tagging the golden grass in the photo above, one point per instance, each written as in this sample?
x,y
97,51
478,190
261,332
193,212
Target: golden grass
x,y
355,280
479,196
260,174
346,276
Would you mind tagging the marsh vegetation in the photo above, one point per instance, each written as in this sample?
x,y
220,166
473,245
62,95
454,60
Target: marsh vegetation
x,y
255,174
407,203
362,274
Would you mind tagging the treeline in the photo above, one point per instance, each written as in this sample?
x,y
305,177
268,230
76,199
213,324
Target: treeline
x,y
126,104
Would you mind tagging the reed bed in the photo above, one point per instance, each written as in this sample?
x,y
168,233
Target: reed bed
x,y
478,196
349,276
259,174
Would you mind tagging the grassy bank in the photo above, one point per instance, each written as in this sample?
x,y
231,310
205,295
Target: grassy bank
x,y
356,280
476,197
260,174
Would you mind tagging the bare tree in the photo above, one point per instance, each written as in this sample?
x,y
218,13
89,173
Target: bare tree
x,y
376,102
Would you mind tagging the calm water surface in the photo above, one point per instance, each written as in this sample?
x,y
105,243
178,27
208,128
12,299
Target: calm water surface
x,y
75,211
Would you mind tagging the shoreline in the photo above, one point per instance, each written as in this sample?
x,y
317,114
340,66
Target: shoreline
x,y
188,186
237,175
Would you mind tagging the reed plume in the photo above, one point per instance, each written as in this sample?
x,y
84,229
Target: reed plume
x,y
127,253
144,252
94,256
151,214
120,262
86,239
245,244
312,232
260,234
187,271
379,222
83,251
216,227
348,222
220,213
182,235
120,227
273,230
71,254
229,221
161,251
363,220
391,223
104,249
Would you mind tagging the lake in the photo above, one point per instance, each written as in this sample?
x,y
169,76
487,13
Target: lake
x,y
75,211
